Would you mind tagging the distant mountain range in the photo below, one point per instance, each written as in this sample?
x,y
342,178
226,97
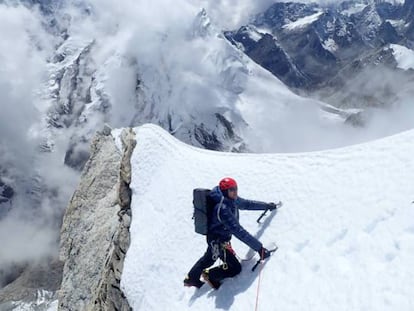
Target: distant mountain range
x,y
318,48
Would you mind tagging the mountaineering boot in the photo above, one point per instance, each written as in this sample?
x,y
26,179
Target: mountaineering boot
x,y
189,282
213,283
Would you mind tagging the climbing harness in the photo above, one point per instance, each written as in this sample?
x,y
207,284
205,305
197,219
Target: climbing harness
x,y
226,246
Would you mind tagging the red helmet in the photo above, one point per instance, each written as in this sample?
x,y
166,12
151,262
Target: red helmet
x,y
227,183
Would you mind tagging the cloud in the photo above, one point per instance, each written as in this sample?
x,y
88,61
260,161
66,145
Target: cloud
x,y
231,14
151,41
18,54
30,230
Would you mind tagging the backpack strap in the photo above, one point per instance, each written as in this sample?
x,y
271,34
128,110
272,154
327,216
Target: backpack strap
x,y
219,208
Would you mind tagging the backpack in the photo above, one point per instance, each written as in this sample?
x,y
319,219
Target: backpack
x,y
203,208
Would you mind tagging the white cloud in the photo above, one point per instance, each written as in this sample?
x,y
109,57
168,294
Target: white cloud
x,y
29,231
151,38
23,66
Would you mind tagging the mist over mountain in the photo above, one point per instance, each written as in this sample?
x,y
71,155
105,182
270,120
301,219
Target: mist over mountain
x,y
343,53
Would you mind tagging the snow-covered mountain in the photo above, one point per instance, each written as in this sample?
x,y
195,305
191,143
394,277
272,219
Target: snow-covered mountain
x,y
345,231
71,69
85,69
318,47
75,66
204,105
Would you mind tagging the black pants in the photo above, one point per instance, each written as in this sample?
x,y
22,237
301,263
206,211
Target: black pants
x,y
230,267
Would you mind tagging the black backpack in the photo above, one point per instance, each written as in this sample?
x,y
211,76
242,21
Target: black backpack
x,y
203,208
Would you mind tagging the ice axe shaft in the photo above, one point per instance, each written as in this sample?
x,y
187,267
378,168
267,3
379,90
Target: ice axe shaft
x,y
255,266
262,260
278,205
261,216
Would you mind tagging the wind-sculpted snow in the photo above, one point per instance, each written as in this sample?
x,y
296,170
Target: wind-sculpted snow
x,y
345,232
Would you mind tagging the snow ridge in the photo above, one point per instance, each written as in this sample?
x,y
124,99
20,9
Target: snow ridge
x,y
345,233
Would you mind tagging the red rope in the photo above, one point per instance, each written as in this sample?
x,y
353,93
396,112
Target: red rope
x,y
258,284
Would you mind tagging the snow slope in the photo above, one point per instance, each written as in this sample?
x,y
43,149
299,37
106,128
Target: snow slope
x,y
404,56
303,22
357,8
45,301
346,231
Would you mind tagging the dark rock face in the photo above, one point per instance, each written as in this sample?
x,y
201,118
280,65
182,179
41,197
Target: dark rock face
x,y
6,196
311,57
311,54
357,120
72,88
281,13
6,192
269,54
387,10
318,49
95,230
77,155
295,56
388,34
23,284
10,274
408,11
223,137
209,141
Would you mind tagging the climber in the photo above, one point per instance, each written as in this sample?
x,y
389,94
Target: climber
x,y
223,222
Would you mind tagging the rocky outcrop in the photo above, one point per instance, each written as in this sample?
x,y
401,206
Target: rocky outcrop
x,y
35,286
95,231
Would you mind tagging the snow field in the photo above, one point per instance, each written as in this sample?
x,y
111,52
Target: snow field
x,y
303,22
404,56
345,232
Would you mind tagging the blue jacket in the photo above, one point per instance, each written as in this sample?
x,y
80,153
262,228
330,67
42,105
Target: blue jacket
x,y
224,221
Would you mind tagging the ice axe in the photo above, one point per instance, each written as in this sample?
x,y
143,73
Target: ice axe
x,y
262,260
261,216
278,205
